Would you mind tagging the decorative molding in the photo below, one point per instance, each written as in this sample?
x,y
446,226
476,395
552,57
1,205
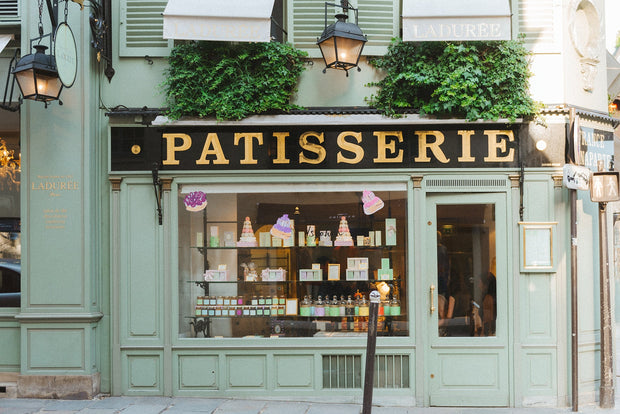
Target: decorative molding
x,y
417,180
166,184
557,180
59,317
116,183
514,180
586,35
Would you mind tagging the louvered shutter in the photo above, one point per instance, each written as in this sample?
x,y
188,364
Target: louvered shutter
x,y
378,19
537,23
141,29
9,11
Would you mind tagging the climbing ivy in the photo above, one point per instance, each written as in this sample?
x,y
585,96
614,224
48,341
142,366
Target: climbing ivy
x,y
231,81
472,80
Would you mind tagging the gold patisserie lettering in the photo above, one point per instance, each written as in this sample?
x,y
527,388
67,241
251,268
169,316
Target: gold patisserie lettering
x,y
281,148
383,146
306,145
496,144
466,146
435,146
350,147
248,139
171,148
212,147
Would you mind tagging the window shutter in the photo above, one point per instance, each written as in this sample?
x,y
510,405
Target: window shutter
x,y
378,19
141,29
9,11
537,23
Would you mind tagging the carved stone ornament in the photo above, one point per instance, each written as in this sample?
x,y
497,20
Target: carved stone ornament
x,y
586,34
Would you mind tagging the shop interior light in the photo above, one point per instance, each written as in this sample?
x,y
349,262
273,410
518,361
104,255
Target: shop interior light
x,y
341,43
37,76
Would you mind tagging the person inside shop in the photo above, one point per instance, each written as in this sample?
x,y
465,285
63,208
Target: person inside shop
x,y
489,302
443,276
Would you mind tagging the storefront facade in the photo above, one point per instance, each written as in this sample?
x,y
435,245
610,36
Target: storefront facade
x,y
131,285
205,321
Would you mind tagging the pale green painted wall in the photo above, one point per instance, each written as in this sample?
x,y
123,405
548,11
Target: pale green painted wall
x,y
64,222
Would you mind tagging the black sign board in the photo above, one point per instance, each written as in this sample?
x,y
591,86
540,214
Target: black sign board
x,y
314,147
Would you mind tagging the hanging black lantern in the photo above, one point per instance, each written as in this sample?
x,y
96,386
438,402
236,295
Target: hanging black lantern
x,y
341,43
37,76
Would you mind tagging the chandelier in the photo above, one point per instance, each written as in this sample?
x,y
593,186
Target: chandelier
x,y
10,168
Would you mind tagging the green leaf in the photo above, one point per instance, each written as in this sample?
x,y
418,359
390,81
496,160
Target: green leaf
x,y
231,81
475,80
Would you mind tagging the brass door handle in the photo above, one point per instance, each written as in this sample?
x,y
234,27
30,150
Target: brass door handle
x,y
432,299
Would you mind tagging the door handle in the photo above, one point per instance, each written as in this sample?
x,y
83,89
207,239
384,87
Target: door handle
x,y
432,299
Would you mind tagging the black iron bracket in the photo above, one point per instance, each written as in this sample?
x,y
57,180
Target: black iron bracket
x,y
10,86
157,188
100,26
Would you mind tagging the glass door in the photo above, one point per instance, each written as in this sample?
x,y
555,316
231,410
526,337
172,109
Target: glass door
x,y
467,295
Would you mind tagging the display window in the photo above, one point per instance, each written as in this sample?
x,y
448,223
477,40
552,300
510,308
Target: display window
x,y
291,261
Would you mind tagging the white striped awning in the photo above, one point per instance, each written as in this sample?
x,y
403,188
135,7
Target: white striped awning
x,y
454,20
229,20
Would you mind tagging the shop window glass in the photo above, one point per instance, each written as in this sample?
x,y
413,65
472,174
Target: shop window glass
x,y
466,273
241,274
10,236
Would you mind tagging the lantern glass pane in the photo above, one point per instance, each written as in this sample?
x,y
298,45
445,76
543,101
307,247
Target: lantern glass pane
x,y
48,85
328,48
25,80
349,50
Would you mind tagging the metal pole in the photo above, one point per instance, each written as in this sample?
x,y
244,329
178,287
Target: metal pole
x,y
606,398
573,302
373,312
573,281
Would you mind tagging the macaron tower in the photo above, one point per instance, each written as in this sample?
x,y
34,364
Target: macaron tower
x,y
247,238
344,235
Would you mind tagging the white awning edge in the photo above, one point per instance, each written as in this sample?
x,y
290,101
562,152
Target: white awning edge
x,y
231,20
4,40
449,20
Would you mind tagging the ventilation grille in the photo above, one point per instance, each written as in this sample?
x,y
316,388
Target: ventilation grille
x,y
342,371
391,371
345,371
478,183
9,10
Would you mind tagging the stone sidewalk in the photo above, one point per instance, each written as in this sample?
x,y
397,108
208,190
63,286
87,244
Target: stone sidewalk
x,y
180,405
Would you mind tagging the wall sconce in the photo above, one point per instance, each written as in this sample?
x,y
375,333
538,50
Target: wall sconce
x,y
341,43
541,145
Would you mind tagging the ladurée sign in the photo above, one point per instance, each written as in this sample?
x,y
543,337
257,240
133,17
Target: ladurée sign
x,y
314,147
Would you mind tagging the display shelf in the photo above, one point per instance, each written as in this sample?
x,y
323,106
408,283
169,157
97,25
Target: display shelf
x,y
207,242
271,282
295,247
352,324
